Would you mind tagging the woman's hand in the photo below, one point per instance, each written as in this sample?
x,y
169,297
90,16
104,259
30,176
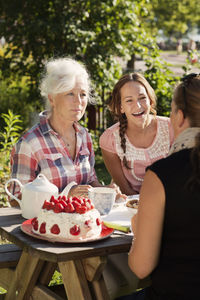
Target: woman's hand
x,y
79,191
119,196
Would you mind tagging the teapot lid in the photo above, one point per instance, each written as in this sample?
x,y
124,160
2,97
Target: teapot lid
x,y
42,184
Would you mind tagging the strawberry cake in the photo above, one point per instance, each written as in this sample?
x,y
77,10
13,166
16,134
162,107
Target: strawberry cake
x,y
70,219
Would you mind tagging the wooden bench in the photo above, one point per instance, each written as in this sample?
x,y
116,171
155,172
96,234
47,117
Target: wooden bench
x,y
9,257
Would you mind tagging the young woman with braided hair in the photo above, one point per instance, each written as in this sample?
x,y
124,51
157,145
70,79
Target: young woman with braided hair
x,y
166,229
139,138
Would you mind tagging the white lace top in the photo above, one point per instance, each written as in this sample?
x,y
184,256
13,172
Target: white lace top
x,y
139,158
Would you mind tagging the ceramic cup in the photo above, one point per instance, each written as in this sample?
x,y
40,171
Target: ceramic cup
x,y
103,199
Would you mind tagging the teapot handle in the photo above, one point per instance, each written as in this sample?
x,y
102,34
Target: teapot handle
x,y
9,193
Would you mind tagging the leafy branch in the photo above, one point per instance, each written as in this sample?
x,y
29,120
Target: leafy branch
x,y
8,138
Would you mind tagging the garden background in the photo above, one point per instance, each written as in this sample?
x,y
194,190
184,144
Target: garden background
x,y
110,37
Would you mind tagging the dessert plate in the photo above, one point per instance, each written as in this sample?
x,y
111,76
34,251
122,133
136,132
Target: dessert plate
x,y
26,227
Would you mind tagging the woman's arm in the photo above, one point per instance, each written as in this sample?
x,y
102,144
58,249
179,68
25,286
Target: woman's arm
x,y
147,226
113,165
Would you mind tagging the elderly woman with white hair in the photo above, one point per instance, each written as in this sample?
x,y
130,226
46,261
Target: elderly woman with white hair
x,y
58,146
61,149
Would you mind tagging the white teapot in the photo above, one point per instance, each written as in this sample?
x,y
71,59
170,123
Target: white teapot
x,y
33,195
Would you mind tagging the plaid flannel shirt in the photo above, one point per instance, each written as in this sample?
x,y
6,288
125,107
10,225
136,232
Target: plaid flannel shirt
x,y
42,150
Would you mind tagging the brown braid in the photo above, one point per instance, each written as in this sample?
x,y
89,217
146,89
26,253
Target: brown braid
x,y
122,130
115,105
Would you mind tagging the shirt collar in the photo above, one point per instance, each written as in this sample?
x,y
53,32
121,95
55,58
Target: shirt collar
x,y
46,128
185,140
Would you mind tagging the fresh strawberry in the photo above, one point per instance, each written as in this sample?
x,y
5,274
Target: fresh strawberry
x,y
64,198
55,201
84,200
76,204
75,230
52,198
69,208
55,229
43,228
51,206
58,208
64,204
88,205
80,201
34,223
75,198
81,209
87,223
98,221
59,198
33,220
69,200
46,205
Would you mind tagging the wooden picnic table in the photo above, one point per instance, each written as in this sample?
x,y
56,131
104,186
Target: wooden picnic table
x,y
81,265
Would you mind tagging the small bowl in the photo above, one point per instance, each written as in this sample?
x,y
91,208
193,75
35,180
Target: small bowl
x,y
103,199
132,206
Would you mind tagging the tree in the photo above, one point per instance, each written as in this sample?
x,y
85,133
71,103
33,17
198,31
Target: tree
x,y
174,17
95,32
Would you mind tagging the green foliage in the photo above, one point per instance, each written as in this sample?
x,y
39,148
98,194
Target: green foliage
x,y
14,90
2,291
192,58
95,32
8,137
95,140
56,279
174,17
101,171
11,133
162,80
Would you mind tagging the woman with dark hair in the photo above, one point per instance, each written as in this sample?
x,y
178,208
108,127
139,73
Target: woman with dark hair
x,y
166,243
139,138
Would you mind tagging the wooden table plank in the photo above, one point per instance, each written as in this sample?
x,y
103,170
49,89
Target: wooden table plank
x,y
42,292
25,276
100,289
94,267
6,276
74,280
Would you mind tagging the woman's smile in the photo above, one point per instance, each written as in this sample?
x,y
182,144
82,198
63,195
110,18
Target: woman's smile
x,y
138,114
